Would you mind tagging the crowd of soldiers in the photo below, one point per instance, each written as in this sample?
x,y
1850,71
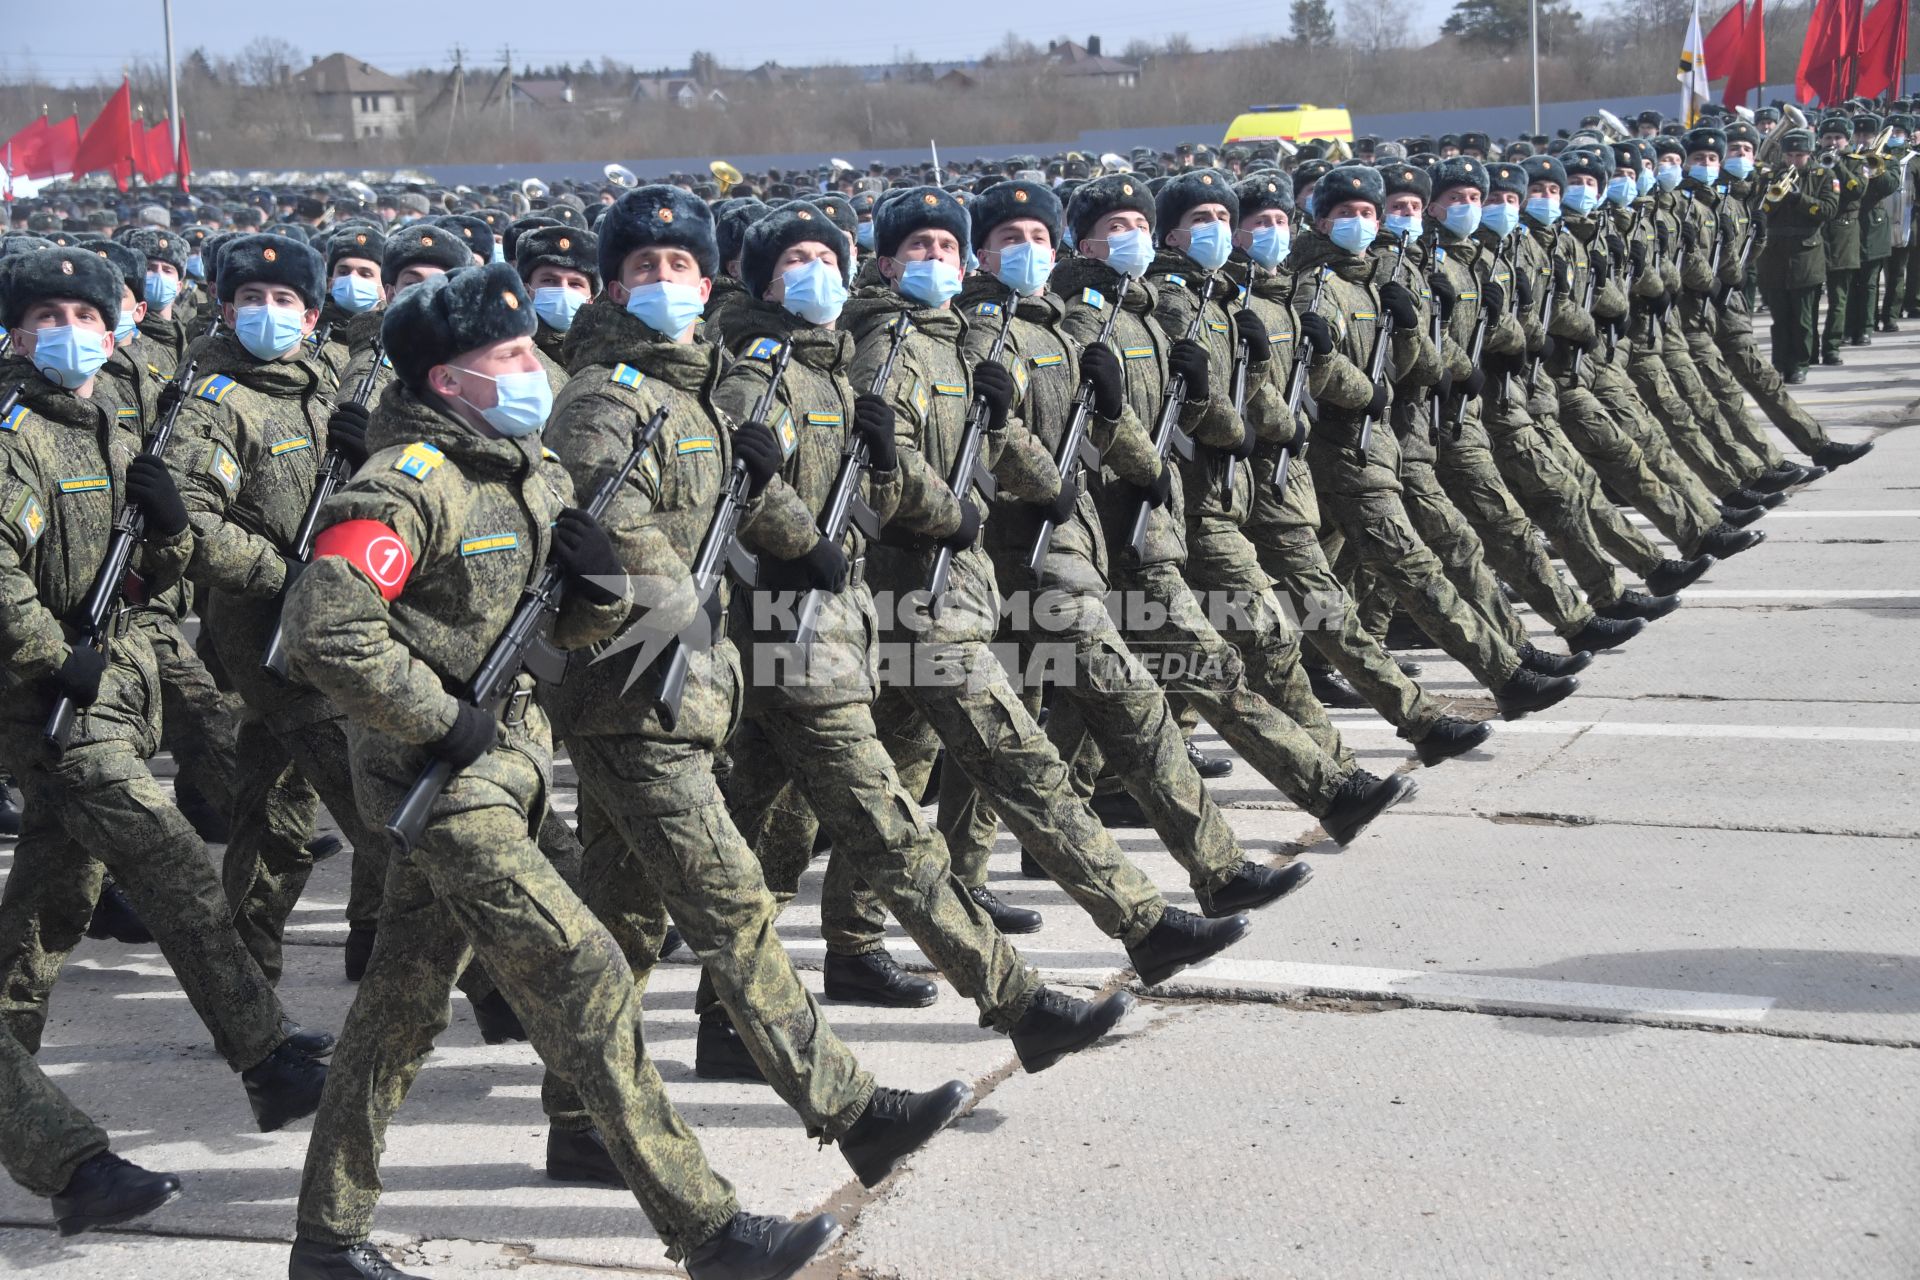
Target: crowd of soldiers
x,y
791,502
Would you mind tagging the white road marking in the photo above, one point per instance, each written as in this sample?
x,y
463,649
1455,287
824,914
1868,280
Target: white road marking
x,y
1628,729
1481,992
1799,593
1904,513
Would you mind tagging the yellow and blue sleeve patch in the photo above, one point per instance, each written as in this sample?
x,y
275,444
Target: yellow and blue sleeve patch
x,y
1094,298
28,517
491,542
1471,295
695,444
225,469
1218,326
1138,353
214,387
783,429
292,444
85,484
126,413
1366,315
627,376
386,361
1049,361
1275,339
764,349
1176,278
987,309
418,460
15,419
919,398
950,388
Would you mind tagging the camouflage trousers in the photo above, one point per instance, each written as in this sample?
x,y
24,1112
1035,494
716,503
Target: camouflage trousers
x,y
97,804
1690,427
1719,410
201,730
1733,331
1717,378
1373,529
656,832
1618,535
1511,541
1616,457
1331,622
834,757
1617,393
267,863
478,885
43,1136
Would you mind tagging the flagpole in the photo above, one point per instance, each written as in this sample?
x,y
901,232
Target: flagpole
x,y
1533,41
174,126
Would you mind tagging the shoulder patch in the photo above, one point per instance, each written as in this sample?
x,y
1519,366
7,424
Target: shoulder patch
x,y
15,419
214,387
548,455
418,460
1049,361
1094,298
1176,278
1138,353
85,484
764,349
292,444
125,412
950,388
695,444
225,469
386,361
26,515
627,376
987,309
490,542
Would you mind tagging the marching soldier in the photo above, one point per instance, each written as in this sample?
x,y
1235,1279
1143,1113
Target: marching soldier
x,y
1841,230
1802,198
356,292
561,269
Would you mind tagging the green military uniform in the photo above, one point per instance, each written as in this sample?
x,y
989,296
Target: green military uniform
x,y
362,337
1876,247
1841,231
1792,266
1899,207
43,1136
167,338
474,516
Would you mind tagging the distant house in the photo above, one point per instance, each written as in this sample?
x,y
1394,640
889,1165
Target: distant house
x,y
549,95
349,99
956,79
1085,64
678,89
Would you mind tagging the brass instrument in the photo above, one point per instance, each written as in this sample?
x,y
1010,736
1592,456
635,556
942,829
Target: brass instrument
x,y
726,175
1613,128
1791,117
621,176
534,189
1784,184
1878,156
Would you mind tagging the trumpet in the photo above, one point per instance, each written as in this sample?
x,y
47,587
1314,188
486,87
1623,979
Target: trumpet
x,y
1877,156
1784,184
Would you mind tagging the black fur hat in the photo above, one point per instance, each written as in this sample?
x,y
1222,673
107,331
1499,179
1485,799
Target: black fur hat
x,y
1188,191
156,245
448,315
59,273
1458,171
657,215
510,242
1005,201
288,231
556,246
474,231
425,244
356,240
1399,178
731,218
1505,175
912,209
1476,142
1268,189
1625,156
1706,139
838,208
774,234
1668,145
23,242
1547,169
1741,131
1094,200
127,261
268,259
1588,162
1350,182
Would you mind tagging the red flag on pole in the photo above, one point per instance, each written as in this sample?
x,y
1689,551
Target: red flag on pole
x,y
1748,70
1831,49
158,151
1883,44
184,169
26,151
1724,40
109,141
63,144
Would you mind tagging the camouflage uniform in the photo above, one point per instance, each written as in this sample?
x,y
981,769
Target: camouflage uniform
x,y
43,1136
167,340
652,785
63,463
475,513
248,448
328,343
361,334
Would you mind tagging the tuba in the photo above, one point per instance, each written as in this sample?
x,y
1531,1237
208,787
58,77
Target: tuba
x,y
726,175
534,189
1613,128
621,176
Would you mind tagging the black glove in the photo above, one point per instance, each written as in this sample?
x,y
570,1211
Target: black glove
x,y
1660,305
347,432
1102,369
1493,299
963,537
151,489
1060,510
79,676
1616,246
1444,295
1189,359
1689,235
1562,277
992,383
1160,492
1248,441
1589,344
1548,345
1398,302
471,737
1509,364
758,449
1316,333
1378,405
1476,383
583,551
1248,329
824,567
873,423
1523,287
1722,293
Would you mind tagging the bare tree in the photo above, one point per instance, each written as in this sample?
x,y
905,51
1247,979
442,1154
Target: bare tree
x,y
266,61
1373,26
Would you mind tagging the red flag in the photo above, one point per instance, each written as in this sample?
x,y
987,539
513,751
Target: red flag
x,y
1725,39
1749,69
25,152
109,140
1883,44
184,170
1831,49
63,143
158,151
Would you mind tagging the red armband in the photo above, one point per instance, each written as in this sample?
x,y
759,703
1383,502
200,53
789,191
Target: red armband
x,y
373,549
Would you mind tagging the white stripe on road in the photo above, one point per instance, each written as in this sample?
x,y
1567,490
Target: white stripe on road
x,y
1627,729
1481,992
1904,513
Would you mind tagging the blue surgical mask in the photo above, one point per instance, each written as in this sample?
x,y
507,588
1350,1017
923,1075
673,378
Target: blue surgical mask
x,y
1270,245
355,294
126,331
1462,219
1581,199
1645,181
1130,253
814,291
1622,191
555,304
499,254
1741,167
1668,176
269,332
1353,234
930,281
1024,268
1405,225
68,356
1500,218
1704,174
196,266
161,289
1210,245
667,307
524,401
1544,210
863,236
1895,140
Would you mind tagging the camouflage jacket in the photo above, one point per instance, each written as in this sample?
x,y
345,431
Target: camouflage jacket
x,y
1467,266
549,345
1270,296
246,452
62,460
327,344
1519,334
723,305
473,516
166,339
131,379
362,332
